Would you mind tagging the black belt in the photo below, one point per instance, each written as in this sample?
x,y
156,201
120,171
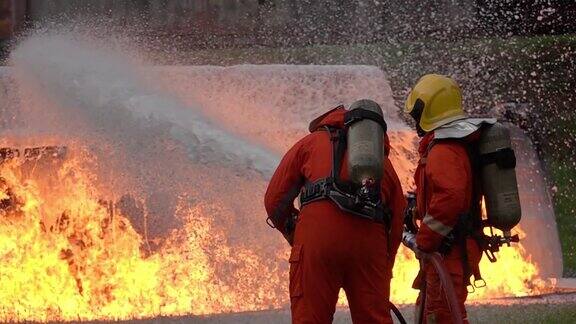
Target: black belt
x,y
327,189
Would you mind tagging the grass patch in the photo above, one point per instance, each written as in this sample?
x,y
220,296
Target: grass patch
x,y
551,313
564,175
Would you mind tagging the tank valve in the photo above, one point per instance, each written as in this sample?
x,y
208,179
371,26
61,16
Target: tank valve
x,y
509,238
493,243
368,191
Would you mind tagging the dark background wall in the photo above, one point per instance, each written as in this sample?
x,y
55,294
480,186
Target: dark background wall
x,y
226,23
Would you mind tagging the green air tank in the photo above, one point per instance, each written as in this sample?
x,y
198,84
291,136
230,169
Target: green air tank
x,y
498,173
365,146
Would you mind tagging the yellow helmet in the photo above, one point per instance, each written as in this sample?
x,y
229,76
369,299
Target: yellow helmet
x,y
439,98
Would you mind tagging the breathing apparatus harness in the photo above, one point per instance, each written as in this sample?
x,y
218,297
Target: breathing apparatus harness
x,y
471,224
365,201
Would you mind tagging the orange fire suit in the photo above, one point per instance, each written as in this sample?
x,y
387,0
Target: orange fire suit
x,y
333,249
444,188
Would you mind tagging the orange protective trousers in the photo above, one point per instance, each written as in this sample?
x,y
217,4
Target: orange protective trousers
x,y
334,250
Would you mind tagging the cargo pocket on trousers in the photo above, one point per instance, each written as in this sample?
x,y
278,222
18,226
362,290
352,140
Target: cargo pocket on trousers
x,y
295,260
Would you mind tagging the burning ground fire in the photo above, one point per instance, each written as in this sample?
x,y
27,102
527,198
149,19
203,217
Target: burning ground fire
x,y
67,255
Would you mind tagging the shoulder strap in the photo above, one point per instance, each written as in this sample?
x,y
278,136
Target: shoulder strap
x,y
475,223
338,139
359,114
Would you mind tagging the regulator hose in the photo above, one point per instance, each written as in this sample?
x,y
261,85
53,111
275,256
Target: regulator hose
x,y
397,313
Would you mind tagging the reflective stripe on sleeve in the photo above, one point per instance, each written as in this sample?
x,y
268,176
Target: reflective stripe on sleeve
x,y
436,225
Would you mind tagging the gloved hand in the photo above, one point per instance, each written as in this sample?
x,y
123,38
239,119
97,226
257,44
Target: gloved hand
x,y
289,237
409,240
290,228
410,213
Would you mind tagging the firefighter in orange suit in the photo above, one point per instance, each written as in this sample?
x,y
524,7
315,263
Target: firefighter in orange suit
x,y
444,191
333,248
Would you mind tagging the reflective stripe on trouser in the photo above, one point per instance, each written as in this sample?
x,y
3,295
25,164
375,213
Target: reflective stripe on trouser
x,y
436,225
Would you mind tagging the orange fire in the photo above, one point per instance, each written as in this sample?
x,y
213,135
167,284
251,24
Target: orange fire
x,y
67,255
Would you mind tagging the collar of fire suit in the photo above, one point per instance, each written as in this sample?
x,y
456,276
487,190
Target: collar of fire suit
x,y
462,128
424,142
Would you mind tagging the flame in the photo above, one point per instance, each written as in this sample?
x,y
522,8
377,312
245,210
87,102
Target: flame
x,y
66,255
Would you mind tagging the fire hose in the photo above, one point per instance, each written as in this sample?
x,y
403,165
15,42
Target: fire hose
x,y
447,287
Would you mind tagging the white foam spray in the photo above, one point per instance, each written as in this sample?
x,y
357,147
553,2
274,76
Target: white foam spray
x,y
102,88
